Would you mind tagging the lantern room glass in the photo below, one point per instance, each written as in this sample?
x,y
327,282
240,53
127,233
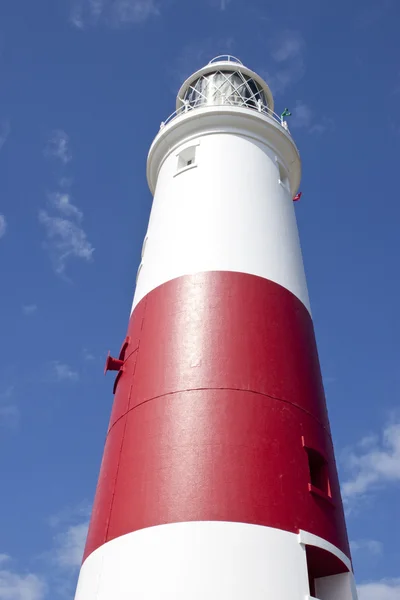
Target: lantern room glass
x,y
231,88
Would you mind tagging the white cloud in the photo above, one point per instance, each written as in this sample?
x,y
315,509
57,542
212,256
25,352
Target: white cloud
x,y
65,238
70,515
287,64
62,202
4,132
29,309
76,17
320,127
70,545
386,589
61,562
58,146
3,225
372,546
115,13
72,525
289,46
17,586
304,118
373,462
133,11
63,372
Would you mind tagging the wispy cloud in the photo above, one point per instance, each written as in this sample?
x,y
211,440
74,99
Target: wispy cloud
x,y
62,203
3,225
302,116
5,129
114,13
372,546
322,125
71,524
65,182
196,55
9,411
287,63
60,563
66,238
373,462
15,585
29,309
70,515
63,372
87,355
305,118
58,146
70,545
386,589
372,12
220,4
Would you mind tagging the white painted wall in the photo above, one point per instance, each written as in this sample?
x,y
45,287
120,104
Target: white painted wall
x,y
336,587
197,561
211,560
228,213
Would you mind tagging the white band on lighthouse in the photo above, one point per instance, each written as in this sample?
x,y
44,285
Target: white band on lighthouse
x,y
198,560
223,201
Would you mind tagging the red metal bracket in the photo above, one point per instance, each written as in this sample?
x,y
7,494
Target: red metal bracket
x,y
117,364
112,364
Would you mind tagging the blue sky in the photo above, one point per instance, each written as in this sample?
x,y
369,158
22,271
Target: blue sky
x,y
84,87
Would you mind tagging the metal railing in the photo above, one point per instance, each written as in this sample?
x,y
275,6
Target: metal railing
x,y
225,58
261,108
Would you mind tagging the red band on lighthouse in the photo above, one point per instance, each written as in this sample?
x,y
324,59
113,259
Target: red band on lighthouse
x,y
211,411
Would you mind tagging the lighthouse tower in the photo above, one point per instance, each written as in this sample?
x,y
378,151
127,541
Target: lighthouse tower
x,y
218,480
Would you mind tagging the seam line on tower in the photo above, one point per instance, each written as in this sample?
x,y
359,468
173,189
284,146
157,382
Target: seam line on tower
x,y
200,389
125,426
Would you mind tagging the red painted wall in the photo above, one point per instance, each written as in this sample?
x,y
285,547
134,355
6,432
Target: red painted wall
x,y
220,384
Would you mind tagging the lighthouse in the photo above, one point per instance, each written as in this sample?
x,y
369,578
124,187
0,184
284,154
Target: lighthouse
x,y
218,479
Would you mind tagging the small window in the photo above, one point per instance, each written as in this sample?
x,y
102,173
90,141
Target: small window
x,y
187,158
319,472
